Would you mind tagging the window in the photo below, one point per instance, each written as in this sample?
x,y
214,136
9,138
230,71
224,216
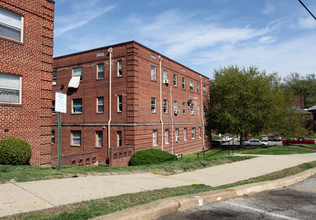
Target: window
x,y
10,88
76,138
185,134
155,132
153,104
191,86
119,68
11,25
153,73
53,107
204,90
166,136
119,103
99,139
198,87
100,68
183,83
100,104
198,113
54,77
175,83
165,106
153,57
183,108
77,106
53,137
193,133
119,139
165,75
77,72
192,108
177,135
175,106
199,132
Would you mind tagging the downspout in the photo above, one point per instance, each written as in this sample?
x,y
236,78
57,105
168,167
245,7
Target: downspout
x,y
171,112
161,120
202,111
110,99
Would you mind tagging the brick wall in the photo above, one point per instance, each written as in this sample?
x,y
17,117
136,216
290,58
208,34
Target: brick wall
x,y
32,60
136,121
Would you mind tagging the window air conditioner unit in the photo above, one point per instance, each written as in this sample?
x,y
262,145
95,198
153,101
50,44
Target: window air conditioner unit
x,y
166,81
192,113
177,139
176,112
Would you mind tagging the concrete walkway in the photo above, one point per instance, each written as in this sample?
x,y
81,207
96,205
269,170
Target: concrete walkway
x,y
30,196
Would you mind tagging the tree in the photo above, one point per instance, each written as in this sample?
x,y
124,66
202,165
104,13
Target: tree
x,y
299,85
246,101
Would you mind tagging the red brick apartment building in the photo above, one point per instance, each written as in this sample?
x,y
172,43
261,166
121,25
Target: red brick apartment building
x,y
125,98
26,57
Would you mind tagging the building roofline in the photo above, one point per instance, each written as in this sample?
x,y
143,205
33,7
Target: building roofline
x,y
128,42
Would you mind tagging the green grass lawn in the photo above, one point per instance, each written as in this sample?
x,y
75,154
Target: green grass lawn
x,y
308,145
187,163
93,208
275,150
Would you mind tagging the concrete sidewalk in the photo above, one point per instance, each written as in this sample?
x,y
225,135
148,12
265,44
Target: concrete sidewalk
x,y
31,196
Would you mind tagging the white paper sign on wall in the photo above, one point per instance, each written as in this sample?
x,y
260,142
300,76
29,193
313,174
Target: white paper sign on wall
x,y
60,102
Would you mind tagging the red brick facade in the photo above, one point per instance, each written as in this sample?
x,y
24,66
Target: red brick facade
x,y
31,59
136,123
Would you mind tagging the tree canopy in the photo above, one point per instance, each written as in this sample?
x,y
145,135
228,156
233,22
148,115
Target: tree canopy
x,y
300,85
245,100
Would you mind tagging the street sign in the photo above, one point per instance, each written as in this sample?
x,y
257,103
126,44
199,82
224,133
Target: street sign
x,y
60,102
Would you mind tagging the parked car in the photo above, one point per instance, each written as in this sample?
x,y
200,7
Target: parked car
x,y
247,137
255,142
264,138
227,138
299,140
278,137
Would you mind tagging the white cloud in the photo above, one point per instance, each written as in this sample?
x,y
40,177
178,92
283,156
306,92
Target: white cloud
x,y
79,17
267,40
268,9
307,23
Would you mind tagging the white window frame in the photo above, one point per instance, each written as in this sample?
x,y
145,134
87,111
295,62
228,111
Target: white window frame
x,y
120,68
193,133
75,73
176,134
183,82
166,136
198,110
192,107
100,104
198,87
165,75
185,134
155,138
184,108
12,21
175,80
204,90
100,71
54,78
199,132
153,105
99,139
153,72
119,103
73,138
73,106
13,84
175,105
191,85
119,138
165,106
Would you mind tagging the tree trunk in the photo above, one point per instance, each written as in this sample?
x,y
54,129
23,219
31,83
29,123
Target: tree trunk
x,y
242,139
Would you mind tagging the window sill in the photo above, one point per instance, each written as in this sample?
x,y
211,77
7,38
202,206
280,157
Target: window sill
x,y
75,145
10,104
96,147
99,79
156,145
96,112
76,113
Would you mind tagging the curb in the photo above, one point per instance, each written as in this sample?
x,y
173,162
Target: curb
x,y
159,208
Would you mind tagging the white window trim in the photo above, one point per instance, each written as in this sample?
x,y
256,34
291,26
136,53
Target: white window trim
x,y
165,106
153,110
99,138
81,76
100,105
185,134
193,133
119,103
72,107
100,71
20,91
166,136
155,138
184,109
118,68
72,138
16,28
191,85
153,73
175,80
165,74
183,82
119,136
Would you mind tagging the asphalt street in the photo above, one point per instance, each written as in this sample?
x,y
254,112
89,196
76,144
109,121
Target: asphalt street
x,y
295,202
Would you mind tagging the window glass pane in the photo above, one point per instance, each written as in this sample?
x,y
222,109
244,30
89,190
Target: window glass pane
x,y
9,96
153,72
9,81
77,72
100,71
119,138
99,138
77,105
100,104
120,103
10,24
10,32
165,106
76,137
53,137
165,76
153,104
120,68
183,108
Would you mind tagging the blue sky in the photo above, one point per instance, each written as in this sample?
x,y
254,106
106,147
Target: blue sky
x,y
274,35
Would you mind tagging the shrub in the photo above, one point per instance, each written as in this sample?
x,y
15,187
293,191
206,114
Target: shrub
x,y
150,156
14,151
